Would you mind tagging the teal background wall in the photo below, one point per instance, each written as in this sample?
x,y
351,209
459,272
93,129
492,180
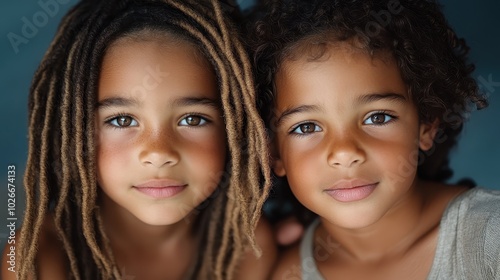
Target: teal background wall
x,y
34,23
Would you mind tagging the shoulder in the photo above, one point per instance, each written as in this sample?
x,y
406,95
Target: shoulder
x,y
253,267
474,210
478,212
458,202
288,265
478,205
292,261
50,260
475,216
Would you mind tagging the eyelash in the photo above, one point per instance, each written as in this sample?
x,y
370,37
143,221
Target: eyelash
x,y
195,114
385,113
295,127
204,120
115,117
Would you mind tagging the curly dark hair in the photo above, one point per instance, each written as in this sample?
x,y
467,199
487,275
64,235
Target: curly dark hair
x,y
431,57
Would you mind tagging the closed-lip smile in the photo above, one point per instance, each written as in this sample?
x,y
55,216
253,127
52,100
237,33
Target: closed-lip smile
x,y
160,188
349,190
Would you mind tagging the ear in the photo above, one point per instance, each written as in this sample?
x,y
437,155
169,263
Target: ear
x,y
278,167
427,134
277,163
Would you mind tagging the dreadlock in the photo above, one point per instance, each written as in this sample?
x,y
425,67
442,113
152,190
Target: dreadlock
x,y
60,175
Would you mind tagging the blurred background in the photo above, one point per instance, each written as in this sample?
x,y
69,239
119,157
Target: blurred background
x,y
27,27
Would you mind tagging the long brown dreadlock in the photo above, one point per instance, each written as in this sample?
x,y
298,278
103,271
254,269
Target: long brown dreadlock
x,y
61,170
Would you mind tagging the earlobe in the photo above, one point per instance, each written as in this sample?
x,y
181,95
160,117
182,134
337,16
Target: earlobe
x,y
277,163
278,167
427,134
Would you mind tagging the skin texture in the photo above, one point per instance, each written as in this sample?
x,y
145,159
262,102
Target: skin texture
x,y
158,118
348,116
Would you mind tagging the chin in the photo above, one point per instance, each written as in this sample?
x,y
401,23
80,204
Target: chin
x,y
352,221
358,224
162,220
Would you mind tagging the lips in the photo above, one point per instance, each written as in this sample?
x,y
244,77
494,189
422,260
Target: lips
x,y
160,188
351,190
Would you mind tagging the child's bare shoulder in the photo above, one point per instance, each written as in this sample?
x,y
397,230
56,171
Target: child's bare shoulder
x,y
51,259
260,268
288,264
51,262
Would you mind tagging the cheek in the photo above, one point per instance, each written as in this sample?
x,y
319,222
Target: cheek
x,y
301,157
112,146
398,158
112,157
207,150
205,159
304,167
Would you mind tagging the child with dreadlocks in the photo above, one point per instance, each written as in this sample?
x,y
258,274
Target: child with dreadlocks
x,y
146,152
365,100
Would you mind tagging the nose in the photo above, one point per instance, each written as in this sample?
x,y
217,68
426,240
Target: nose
x,y
345,151
159,149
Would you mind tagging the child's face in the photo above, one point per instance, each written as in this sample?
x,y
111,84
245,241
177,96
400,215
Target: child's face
x,y
161,135
347,135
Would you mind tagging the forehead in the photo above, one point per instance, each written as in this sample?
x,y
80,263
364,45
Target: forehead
x,y
341,69
165,39
320,48
140,68
309,56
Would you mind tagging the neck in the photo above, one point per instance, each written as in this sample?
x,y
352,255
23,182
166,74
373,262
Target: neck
x,y
142,250
394,234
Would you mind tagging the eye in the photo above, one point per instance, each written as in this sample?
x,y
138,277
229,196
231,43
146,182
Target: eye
x,y
306,128
122,121
193,120
379,118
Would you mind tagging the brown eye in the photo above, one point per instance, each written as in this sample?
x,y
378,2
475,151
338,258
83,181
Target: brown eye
x,y
306,128
379,119
192,121
122,121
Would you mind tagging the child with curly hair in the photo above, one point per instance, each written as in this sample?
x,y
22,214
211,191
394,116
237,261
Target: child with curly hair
x,y
147,157
364,100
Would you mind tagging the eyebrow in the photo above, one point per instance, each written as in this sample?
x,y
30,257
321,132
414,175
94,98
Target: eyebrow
x,y
190,101
117,102
373,97
181,102
291,111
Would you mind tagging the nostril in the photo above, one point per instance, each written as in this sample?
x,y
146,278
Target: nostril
x,y
345,162
160,159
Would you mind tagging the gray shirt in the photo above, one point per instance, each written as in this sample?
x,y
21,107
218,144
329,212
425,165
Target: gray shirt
x,y
468,242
